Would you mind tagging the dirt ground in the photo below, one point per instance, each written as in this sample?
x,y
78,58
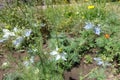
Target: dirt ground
x,y
78,70
5,56
83,69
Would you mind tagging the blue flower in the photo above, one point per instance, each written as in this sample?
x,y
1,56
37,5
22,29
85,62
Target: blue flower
x,y
27,32
97,30
97,59
100,62
88,26
18,41
26,63
2,40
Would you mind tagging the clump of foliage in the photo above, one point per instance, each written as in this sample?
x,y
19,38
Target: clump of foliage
x,y
70,32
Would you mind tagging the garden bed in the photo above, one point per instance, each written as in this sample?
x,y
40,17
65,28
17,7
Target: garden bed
x,y
60,42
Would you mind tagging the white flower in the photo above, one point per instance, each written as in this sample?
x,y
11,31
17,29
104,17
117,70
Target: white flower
x,y
33,50
100,62
2,40
26,63
61,56
18,41
58,55
98,59
35,25
88,25
5,64
29,62
97,30
27,32
7,33
32,59
42,24
54,52
15,29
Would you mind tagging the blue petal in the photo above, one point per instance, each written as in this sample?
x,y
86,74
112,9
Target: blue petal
x,y
97,59
97,31
100,63
88,26
28,32
2,40
18,41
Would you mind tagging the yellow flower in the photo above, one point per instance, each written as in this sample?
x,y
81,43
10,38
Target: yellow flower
x,y
86,0
91,7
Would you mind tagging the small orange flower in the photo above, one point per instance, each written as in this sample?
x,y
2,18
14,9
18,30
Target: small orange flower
x,y
107,36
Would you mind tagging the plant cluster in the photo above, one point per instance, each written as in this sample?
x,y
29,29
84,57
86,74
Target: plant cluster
x,y
71,32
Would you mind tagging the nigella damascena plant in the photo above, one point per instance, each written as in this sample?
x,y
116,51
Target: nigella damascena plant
x,y
43,25
2,40
15,29
28,62
100,62
27,32
17,42
7,33
97,30
88,25
58,55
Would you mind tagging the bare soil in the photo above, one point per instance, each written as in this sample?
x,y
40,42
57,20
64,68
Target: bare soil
x,y
84,69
